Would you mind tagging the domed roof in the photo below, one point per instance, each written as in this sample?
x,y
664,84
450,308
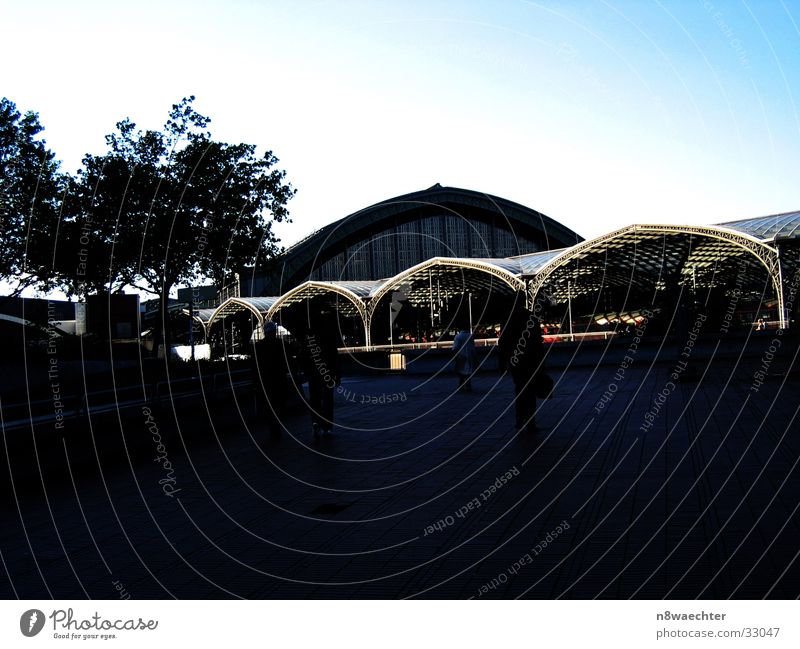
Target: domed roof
x,y
525,223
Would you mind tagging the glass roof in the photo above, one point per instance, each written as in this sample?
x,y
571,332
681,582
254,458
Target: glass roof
x,y
768,227
646,252
261,304
204,315
530,264
360,288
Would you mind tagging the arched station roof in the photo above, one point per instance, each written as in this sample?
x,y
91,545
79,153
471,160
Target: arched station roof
x,y
452,274
684,248
652,250
299,260
641,234
689,250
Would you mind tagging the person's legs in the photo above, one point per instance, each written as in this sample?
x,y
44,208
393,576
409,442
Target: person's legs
x,y
519,408
267,412
276,398
525,402
315,405
529,402
326,407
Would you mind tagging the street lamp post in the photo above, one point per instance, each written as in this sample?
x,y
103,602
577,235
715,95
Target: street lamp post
x,y
191,322
569,309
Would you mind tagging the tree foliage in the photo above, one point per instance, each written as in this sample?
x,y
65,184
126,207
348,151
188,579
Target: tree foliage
x,y
161,208
166,207
31,188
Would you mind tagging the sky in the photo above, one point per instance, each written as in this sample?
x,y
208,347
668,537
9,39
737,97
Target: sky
x,y
598,114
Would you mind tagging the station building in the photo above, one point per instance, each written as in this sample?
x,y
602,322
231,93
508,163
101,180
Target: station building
x,y
413,269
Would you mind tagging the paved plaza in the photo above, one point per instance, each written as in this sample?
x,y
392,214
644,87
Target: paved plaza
x,y
668,486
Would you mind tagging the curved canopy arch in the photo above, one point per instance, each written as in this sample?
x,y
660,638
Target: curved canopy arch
x,y
258,306
450,276
659,244
202,317
354,292
352,305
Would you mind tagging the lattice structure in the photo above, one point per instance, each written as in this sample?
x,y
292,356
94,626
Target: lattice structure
x,y
642,254
354,292
649,257
259,306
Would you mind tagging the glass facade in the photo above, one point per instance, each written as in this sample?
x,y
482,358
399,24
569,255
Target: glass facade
x,y
431,236
383,254
397,248
480,237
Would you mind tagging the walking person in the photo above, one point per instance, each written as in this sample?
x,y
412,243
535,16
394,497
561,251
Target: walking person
x,y
271,371
320,361
464,348
522,355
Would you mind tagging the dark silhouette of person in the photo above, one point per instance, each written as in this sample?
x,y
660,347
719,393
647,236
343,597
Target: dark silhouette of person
x,y
522,356
273,367
319,357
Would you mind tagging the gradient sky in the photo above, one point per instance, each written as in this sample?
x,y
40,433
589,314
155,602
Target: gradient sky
x,y
599,114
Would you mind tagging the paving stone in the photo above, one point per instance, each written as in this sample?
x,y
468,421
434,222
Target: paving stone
x,y
686,507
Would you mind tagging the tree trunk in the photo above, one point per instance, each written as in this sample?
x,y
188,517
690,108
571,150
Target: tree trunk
x,y
161,328
164,324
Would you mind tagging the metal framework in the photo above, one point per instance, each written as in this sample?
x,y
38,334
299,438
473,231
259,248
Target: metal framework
x,y
363,297
259,306
502,270
353,292
639,234
421,270
202,317
702,255
310,289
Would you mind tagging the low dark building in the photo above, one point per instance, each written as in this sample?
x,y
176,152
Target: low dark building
x,y
110,317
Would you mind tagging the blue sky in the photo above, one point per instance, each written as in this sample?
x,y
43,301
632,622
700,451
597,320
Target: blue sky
x,y
599,114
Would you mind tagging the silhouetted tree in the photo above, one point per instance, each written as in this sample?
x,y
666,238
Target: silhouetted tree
x,y
161,208
30,196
